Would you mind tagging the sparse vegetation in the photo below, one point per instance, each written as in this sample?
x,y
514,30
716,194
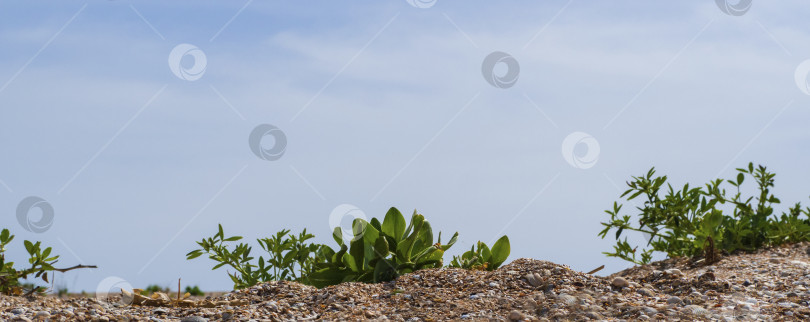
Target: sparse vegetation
x,y
152,288
480,257
287,254
691,221
378,251
41,262
62,291
194,291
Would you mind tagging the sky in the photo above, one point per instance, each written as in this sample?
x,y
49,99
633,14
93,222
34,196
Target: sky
x,y
138,126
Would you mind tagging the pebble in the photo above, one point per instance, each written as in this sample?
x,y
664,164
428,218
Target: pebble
x,y
194,319
674,300
594,316
567,299
696,310
534,279
649,310
645,291
515,316
620,282
634,296
674,272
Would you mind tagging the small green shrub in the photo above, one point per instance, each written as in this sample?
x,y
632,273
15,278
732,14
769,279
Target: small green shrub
x,y
194,291
287,254
41,263
480,257
690,222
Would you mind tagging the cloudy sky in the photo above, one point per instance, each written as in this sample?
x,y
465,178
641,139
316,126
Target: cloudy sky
x,y
132,119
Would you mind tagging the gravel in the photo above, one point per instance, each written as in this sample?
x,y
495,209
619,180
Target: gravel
x,y
765,285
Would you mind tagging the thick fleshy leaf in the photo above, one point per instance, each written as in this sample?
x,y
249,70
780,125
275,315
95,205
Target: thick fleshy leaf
x,y
384,271
358,252
381,247
451,242
350,262
376,223
394,224
405,247
326,277
500,251
337,235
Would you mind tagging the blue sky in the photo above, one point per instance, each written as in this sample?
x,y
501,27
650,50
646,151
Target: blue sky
x,y
382,104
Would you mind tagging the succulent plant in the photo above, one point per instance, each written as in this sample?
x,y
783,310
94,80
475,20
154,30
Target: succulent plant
x,y
481,257
380,252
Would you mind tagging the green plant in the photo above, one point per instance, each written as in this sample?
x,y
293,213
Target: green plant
x,y
152,288
380,251
287,254
692,222
480,257
41,263
194,291
61,290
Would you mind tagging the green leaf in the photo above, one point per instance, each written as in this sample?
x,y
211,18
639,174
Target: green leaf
x,y
483,252
337,235
381,247
740,178
357,251
394,224
376,223
500,251
350,262
29,247
327,276
451,242
405,247
370,234
384,271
